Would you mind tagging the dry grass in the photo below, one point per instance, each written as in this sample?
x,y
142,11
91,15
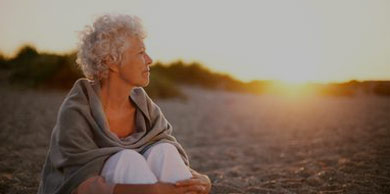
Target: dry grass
x,y
245,143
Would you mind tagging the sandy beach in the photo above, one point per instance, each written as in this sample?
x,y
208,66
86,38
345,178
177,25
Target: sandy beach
x,y
245,143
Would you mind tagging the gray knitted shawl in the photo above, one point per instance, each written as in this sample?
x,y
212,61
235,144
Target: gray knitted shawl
x,y
81,140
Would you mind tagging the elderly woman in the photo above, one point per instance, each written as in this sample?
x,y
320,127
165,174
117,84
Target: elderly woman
x,y
110,137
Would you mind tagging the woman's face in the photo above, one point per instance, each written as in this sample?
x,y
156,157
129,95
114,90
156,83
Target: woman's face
x,y
134,67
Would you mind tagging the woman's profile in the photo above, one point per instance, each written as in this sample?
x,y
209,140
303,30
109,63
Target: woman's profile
x,y
110,137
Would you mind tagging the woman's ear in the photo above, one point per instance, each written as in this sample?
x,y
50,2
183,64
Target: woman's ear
x,y
112,66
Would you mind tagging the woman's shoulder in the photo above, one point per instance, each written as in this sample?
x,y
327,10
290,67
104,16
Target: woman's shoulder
x,y
78,96
84,84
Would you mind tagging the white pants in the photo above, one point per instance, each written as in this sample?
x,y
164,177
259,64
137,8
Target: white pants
x,y
160,163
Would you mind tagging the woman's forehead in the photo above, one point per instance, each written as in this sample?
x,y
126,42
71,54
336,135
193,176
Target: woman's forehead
x,y
136,43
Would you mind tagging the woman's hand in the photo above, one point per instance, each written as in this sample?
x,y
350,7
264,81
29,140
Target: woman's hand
x,y
168,188
199,183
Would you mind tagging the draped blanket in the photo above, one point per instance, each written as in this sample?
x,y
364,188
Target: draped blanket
x,y
81,140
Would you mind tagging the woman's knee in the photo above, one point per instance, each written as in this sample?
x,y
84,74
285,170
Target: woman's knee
x,y
166,163
161,152
123,159
164,148
127,166
124,156
128,154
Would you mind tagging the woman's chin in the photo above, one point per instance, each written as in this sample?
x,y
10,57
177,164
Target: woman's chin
x,y
146,83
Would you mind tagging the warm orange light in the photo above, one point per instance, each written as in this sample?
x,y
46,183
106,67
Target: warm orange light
x,y
291,89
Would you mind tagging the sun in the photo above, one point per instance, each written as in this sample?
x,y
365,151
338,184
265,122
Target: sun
x,y
294,80
292,89
298,74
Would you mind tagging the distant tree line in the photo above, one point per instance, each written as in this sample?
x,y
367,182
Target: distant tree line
x,y
43,70
30,68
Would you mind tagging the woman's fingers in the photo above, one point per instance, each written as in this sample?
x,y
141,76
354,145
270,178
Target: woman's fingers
x,y
189,182
195,189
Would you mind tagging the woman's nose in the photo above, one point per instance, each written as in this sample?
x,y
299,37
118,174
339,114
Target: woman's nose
x,y
148,60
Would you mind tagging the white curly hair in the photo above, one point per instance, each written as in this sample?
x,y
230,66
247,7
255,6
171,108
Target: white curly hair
x,y
106,38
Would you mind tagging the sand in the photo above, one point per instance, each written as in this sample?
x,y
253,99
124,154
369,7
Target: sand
x,y
245,143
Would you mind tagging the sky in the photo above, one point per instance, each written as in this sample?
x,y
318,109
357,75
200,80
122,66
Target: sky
x,y
287,40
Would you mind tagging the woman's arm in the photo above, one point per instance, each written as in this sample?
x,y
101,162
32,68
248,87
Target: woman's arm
x,y
94,185
135,188
97,185
157,188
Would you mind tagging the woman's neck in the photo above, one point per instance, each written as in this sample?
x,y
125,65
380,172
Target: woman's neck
x,y
114,93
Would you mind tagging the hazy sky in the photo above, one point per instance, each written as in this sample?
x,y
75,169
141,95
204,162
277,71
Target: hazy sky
x,y
293,40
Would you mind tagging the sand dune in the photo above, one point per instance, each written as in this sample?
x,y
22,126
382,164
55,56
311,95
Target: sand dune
x,y
245,143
